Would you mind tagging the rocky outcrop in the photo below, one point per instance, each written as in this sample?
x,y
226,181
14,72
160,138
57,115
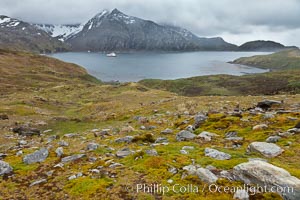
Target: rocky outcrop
x,y
37,156
274,178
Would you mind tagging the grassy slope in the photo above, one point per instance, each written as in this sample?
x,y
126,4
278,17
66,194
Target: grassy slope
x,y
287,80
74,105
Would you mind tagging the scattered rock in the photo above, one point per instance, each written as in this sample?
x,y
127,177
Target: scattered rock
x,y
190,128
268,175
37,156
235,138
185,135
51,138
72,158
38,182
260,127
123,153
102,133
269,150
226,174
206,175
79,174
2,155
26,131
151,152
218,155
199,120
71,135
207,136
161,140
114,165
241,195
5,168
172,170
273,139
59,152
268,116
92,146
167,131
126,139
127,129
19,153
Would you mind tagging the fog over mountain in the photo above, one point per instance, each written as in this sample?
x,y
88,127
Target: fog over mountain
x,y
235,20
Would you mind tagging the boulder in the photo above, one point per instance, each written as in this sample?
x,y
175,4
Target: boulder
x,y
269,150
59,152
231,134
92,146
5,168
207,136
26,131
37,156
199,119
269,176
218,155
72,158
273,139
185,135
206,175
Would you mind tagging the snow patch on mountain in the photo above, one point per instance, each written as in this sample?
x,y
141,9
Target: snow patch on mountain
x,y
8,22
61,31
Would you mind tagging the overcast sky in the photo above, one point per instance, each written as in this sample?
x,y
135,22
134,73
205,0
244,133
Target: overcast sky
x,y
237,21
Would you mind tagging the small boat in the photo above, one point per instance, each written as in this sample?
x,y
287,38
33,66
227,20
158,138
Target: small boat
x,y
112,54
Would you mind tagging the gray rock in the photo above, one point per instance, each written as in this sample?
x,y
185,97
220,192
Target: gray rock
x,y
38,182
63,143
265,174
151,152
167,131
190,128
207,136
51,138
92,146
185,135
226,174
59,152
71,135
114,165
2,155
37,156
235,138
294,130
241,195
218,155
199,120
188,148
206,175
172,170
5,168
126,139
269,150
268,116
72,158
124,153
191,169
273,139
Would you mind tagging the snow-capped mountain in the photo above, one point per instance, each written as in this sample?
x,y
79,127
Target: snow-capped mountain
x,y
116,31
19,35
62,32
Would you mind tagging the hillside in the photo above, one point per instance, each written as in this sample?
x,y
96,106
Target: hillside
x,y
262,45
18,35
65,136
284,81
287,59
